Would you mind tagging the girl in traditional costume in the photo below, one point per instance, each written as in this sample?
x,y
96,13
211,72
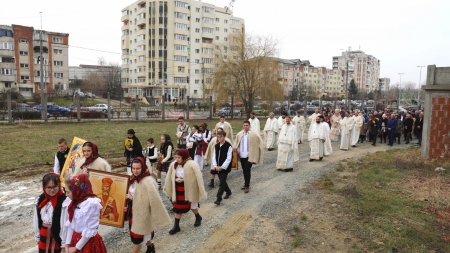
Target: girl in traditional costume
x,y
91,160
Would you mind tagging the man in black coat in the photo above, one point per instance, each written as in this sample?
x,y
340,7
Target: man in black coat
x,y
374,125
419,126
407,126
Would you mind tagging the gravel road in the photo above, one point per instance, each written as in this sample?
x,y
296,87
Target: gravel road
x,y
259,221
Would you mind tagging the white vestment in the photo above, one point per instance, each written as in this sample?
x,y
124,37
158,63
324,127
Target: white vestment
x,y
346,130
359,121
227,128
281,122
287,147
328,150
254,125
335,129
316,138
300,124
270,132
313,116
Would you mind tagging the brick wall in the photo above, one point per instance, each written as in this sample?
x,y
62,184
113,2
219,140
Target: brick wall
x,y
440,127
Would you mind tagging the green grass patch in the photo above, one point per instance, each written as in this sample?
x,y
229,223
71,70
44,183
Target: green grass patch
x,y
388,214
38,142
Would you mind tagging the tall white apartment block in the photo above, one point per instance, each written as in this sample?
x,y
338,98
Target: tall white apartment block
x,y
168,47
363,68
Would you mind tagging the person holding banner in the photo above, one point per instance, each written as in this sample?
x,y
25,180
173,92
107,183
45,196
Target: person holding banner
x,y
133,148
91,160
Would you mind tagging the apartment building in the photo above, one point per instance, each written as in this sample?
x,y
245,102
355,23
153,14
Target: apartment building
x,y
384,84
313,81
19,52
363,68
168,47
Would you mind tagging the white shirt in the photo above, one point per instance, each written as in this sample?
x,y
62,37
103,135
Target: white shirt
x,y
86,220
244,145
207,138
48,219
227,161
179,172
193,137
155,154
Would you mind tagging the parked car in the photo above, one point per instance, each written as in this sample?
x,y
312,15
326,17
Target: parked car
x,y
80,94
89,95
226,111
54,109
71,107
258,110
90,114
238,104
99,107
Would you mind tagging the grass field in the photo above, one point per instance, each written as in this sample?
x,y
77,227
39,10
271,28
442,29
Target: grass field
x,y
30,144
398,201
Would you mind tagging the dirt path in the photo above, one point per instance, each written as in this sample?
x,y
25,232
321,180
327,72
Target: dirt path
x,y
260,221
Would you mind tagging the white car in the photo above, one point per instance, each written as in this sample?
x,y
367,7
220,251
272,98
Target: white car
x,y
100,107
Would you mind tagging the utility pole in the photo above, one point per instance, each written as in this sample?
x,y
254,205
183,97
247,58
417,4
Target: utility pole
x,y
203,80
400,85
420,80
42,84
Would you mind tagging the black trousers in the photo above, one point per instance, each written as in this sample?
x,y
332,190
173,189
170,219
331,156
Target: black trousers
x,y
373,137
183,146
391,134
419,136
223,185
247,170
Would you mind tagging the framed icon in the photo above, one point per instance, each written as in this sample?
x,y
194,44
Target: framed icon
x,y
75,154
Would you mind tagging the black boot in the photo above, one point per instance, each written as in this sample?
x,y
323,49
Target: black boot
x,y
176,227
211,184
150,249
198,220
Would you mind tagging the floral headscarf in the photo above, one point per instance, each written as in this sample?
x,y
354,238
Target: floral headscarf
x,y
144,172
53,199
184,154
94,155
81,189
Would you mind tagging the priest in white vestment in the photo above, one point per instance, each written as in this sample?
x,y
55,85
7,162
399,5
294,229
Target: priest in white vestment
x,y
346,131
328,150
359,122
271,132
254,123
281,120
300,124
317,137
335,129
226,127
287,147
313,116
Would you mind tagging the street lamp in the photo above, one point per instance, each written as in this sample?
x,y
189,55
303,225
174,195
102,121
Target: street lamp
x,y
399,93
420,80
346,81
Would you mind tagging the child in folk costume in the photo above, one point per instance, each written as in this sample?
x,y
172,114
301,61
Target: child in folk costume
x,y
84,218
193,140
145,209
91,160
50,215
184,185
164,157
151,154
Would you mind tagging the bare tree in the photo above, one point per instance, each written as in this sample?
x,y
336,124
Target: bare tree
x,y
244,66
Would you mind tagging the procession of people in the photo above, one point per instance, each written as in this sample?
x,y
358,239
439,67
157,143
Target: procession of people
x,y
59,226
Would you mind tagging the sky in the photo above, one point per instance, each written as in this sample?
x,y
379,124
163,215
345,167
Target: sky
x,y
401,34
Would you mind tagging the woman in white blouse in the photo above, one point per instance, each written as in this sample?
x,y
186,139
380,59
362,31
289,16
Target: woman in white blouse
x,y
192,141
84,217
49,215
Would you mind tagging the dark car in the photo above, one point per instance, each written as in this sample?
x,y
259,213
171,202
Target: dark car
x,y
226,111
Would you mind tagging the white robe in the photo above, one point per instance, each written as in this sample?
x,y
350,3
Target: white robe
x,y
287,147
328,149
281,122
300,124
313,116
335,129
227,128
346,130
254,125
270,132
316,138
359,121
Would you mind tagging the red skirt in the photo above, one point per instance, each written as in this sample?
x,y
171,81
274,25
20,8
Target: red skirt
x,y
94,245
42,244
180,205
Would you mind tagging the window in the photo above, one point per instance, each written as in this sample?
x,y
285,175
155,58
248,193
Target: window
x,y
208,70
197,51
181,4
124,61
38,73
197,9
24,77
208,9
125,32
235,22
140,69
208,20
226,39
217,19
197,71
124,13
181,15
181,48
141,58
23,41
24,65
208,60
7,72
180,79
57,63
58,75
207,50
57,40
180,69
140,48
235,31
195,92
197,20
208,30
217,37
217,29
197,30
197,61
180,58
181,26
225,21
197,81
7,45
181,37
140,16
140,37
197,40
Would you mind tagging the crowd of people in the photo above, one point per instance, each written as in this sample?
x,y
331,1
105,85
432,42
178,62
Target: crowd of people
x,y
66,220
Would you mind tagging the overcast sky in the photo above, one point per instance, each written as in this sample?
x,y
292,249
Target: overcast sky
x,y
402,34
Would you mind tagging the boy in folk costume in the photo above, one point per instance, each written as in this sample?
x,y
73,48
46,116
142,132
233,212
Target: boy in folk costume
x,y
287,146
209,153
145,210
60,156
183,130
151,154
270,131
221,163
300,124
226,127
254,123
250,149
335,129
